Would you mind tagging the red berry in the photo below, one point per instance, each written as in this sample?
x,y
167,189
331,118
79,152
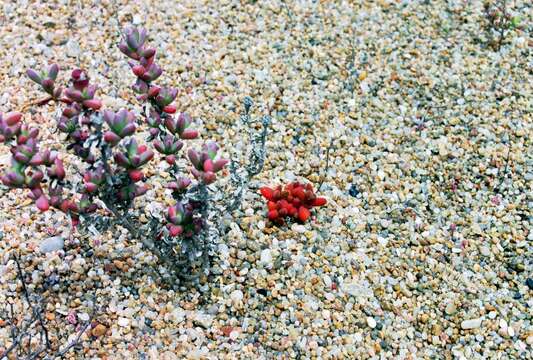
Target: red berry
x,y
303,214
283,203
267,193
271,205
319,201
299,193
273,215
283,212
293,211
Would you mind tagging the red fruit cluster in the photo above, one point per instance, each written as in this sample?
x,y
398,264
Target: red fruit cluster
x,y
294,201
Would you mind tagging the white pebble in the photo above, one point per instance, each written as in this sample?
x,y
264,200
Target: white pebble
x,y
236,296
471,324
327,281
298,228
52,244
83,316
266,257
123,322
371,322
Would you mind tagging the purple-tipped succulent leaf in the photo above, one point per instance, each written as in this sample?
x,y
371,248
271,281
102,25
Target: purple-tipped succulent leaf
x,y
189,134
34,76
208,177
53,70
219,164
42,203
12,118
74,95
128,130
57,92
121,160
194,158
211,147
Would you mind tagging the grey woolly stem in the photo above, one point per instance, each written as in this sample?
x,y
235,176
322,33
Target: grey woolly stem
x,y
27,297
327,166
148,243
256,161
204,196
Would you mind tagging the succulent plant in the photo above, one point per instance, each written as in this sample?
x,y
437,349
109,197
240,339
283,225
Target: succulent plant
x,y
205,164
180,126
294,200
47,80
112,159
122,124
9,125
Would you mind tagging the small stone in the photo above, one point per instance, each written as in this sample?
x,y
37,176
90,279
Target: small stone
x,y
99,330
137,19
371,322
450,308
213,309
223,251
436,330
226,330
236,296
234,335
73,48
266,257
203,320
529,340
124,322
353,192
529,283
510,331
327,281
382,241
298,228
83,316
78,265
492,315
424,318
471,324
484,250
52,244
169,355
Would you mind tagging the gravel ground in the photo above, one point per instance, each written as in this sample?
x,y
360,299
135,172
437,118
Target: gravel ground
x,y
425,247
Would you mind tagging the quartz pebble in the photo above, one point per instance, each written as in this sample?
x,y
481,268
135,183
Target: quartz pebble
x,y
371,322
51,244
471,324
123,322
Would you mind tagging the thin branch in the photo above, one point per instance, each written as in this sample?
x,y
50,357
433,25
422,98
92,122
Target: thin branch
x,y
323,177
74,342
27,296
